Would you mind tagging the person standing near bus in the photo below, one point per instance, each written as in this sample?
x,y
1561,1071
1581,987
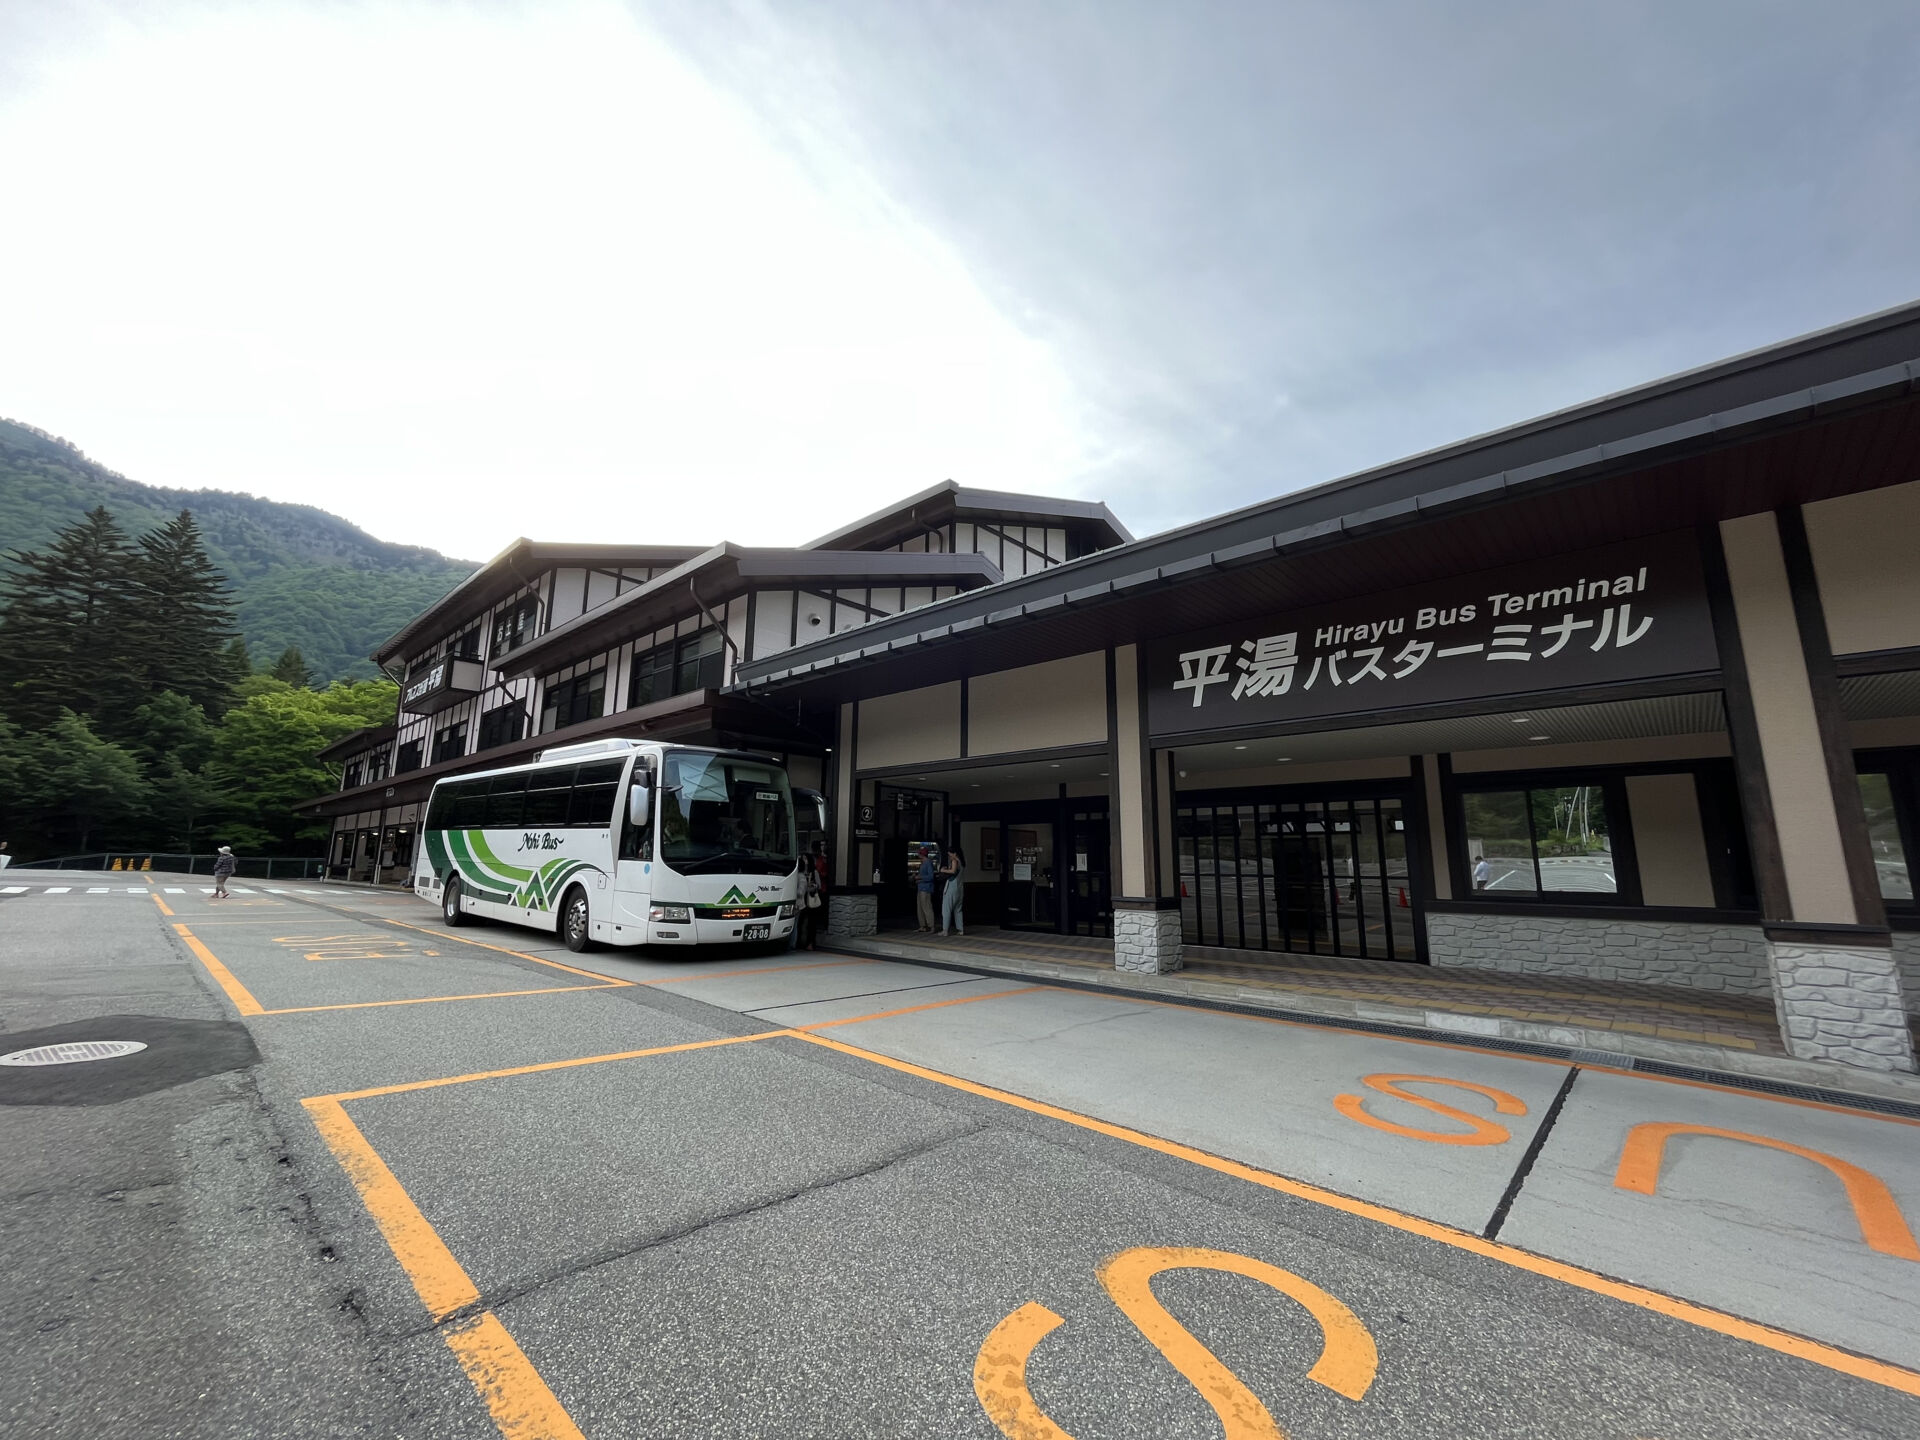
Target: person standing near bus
x,y
952,917
223,866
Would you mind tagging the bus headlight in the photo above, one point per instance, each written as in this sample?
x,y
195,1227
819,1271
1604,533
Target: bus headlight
x,y
785,912
672,914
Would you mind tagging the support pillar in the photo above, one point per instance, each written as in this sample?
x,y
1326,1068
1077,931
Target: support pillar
x,y
1835,984
1146,925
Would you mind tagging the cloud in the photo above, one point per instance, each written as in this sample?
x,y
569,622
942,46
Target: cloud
x,y
462,275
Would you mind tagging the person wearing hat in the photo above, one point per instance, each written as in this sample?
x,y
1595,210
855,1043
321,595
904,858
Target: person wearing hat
x,y
224,866
924,898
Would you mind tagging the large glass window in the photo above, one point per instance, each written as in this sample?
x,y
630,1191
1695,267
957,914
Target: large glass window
x,y
1310,876
724,812
1879,797
1535,840
408,757
693,662
569,702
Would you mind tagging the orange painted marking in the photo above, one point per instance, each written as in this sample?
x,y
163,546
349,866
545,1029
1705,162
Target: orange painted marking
x,y
1484,1132
552,1065
1882,1225
439,999
1879,1372
1000,1374
165,909
443,1287
522,1406
241,997
1348,1360
445,935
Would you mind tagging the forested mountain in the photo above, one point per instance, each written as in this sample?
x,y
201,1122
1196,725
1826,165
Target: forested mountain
x,y
300,576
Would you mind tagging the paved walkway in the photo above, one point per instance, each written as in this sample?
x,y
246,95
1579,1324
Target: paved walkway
x,y
1664,1012
1649,1021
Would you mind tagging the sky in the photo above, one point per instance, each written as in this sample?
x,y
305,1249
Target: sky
x,y
691,270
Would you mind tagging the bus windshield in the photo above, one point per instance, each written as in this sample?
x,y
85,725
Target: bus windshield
x,y
724,813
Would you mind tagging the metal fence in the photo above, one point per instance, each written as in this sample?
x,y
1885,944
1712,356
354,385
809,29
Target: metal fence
x,y
257,867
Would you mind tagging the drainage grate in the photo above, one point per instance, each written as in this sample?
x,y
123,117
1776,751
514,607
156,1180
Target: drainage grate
x,y
74,1051
1850,1099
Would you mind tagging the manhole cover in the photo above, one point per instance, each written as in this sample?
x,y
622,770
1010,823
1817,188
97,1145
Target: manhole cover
x,y
73,1052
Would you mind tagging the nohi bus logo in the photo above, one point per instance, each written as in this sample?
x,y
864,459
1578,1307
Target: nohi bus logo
x,y
736,896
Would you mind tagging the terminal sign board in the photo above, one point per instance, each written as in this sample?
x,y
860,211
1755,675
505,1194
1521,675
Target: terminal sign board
x,y
1631,611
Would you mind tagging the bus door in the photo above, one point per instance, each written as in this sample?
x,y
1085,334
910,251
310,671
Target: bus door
x,y
633,859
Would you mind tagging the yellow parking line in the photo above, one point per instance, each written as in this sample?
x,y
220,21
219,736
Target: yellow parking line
x,y
521,1403
518,954
1785,1342
241,997
438,999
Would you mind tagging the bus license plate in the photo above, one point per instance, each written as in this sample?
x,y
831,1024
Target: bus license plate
x,y
757,932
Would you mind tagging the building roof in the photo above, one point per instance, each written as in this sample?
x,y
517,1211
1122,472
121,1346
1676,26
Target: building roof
x,y
359,740
714,575
935,506
513,567
1822,414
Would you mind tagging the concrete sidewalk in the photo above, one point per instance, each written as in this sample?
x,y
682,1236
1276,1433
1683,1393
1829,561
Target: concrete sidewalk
x,y
1695,1029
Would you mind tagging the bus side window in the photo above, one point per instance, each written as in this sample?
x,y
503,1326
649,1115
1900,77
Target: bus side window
x,y
636,841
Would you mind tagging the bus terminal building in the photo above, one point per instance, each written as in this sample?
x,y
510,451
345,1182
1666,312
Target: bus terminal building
x,y
1627,693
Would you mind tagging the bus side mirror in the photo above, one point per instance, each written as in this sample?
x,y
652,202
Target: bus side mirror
x,y
820,814
639,806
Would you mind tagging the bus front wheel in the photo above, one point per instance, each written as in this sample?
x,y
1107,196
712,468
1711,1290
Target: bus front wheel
x,y
575,921
450,902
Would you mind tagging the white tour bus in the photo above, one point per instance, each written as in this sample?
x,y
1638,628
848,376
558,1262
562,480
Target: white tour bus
x,y
618,841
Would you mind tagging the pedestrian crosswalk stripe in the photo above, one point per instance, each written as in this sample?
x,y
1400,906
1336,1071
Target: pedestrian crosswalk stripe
x,y
58,889
175,890
136,890
14,890
238,891
206,889
276,892
96,890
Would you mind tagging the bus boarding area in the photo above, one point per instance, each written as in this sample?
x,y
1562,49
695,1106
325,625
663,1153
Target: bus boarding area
x,y
821,1194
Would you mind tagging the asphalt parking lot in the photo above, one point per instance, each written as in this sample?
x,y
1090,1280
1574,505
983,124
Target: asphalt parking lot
x,y
475,1185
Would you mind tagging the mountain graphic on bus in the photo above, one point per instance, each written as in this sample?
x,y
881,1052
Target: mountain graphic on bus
x,y
487,877
736,896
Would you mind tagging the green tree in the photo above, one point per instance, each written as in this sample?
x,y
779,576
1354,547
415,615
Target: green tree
x,y
71,626
185,615
74,782
235,664
292,668
265,754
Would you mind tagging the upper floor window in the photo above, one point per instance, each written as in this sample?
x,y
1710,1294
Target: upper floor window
x,y
409,757
569,702
351,776
450,743
465,645
513,627
693,662
502,726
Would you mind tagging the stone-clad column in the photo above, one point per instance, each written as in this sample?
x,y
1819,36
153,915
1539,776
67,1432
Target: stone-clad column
x,y
1835,984
1146,936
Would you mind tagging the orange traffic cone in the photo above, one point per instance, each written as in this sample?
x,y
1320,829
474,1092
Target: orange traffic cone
x,y
1403,897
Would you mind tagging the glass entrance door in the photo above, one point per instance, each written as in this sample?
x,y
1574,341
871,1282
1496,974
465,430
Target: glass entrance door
x,y
1322,876
1029,893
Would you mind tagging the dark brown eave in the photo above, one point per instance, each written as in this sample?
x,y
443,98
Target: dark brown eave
x,y
513,567
1851,422
939,505
722,573
360,740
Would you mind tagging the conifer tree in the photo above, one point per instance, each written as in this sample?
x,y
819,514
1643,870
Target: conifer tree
x,y
186,616
70,629
292,668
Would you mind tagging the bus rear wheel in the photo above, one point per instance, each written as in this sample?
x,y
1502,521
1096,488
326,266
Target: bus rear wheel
x,y
450,902
576,921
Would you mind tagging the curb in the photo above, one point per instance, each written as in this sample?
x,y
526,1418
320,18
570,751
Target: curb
x,y
1615,1048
